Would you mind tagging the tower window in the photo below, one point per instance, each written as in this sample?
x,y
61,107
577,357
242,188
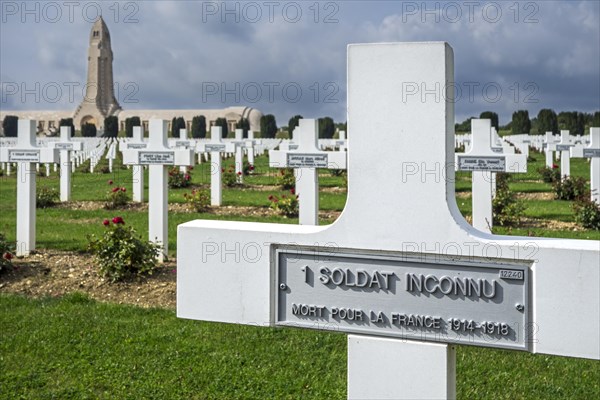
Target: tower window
x,y
96,33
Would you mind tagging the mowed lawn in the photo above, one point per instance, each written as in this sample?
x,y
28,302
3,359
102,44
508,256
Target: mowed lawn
x,y
76,348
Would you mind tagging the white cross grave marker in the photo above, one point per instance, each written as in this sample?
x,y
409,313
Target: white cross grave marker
x,y
183,142
250,143
111,154
483,161
550,146
593,152
401,261
137,142
306,160
564,147
26,153
66,146
215,147
239,155
158,156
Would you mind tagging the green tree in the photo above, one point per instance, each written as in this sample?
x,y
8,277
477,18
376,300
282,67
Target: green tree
x,y
69,123
130,123
572,121
268,126
222,122
245,125
596,120
10,125
547,121
293,123
326,128
179,124
199,127
493,116
463,127
111,127
88,130
520,122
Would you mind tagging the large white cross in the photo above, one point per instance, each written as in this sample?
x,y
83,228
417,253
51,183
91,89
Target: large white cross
x,y
483,161
306,160
26,153
408,239
66,146
215,147
593,152
158,156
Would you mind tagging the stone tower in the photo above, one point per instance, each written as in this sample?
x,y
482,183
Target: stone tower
x,y
99,101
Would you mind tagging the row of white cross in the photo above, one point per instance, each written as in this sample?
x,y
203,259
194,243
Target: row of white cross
x,y
484,158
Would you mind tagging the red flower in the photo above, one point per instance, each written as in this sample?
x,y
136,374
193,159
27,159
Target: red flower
x,y
251,168
554,166
115,189
239,173
271,197
118,220
105,222
8,256
110,182
123,189
222,169
293,191
187,177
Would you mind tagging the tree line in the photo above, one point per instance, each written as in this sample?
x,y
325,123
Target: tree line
x,y
547,120
199,129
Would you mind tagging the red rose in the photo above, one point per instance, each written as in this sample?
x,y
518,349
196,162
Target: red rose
x,y
239,173
187,177
554,166
8,256
110,182
115,189
293,191
105,222
118,220
271,197
123,190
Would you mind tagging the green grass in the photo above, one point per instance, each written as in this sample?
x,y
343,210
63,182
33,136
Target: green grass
x,y
77,348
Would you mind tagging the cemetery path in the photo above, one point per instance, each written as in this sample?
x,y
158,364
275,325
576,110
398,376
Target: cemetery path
x,y
55,273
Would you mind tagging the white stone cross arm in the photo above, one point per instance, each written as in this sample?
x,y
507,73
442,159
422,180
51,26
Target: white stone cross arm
x,y
400,261
26,150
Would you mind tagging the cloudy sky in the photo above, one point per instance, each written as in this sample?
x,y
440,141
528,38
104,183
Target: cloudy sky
x,y
289,58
